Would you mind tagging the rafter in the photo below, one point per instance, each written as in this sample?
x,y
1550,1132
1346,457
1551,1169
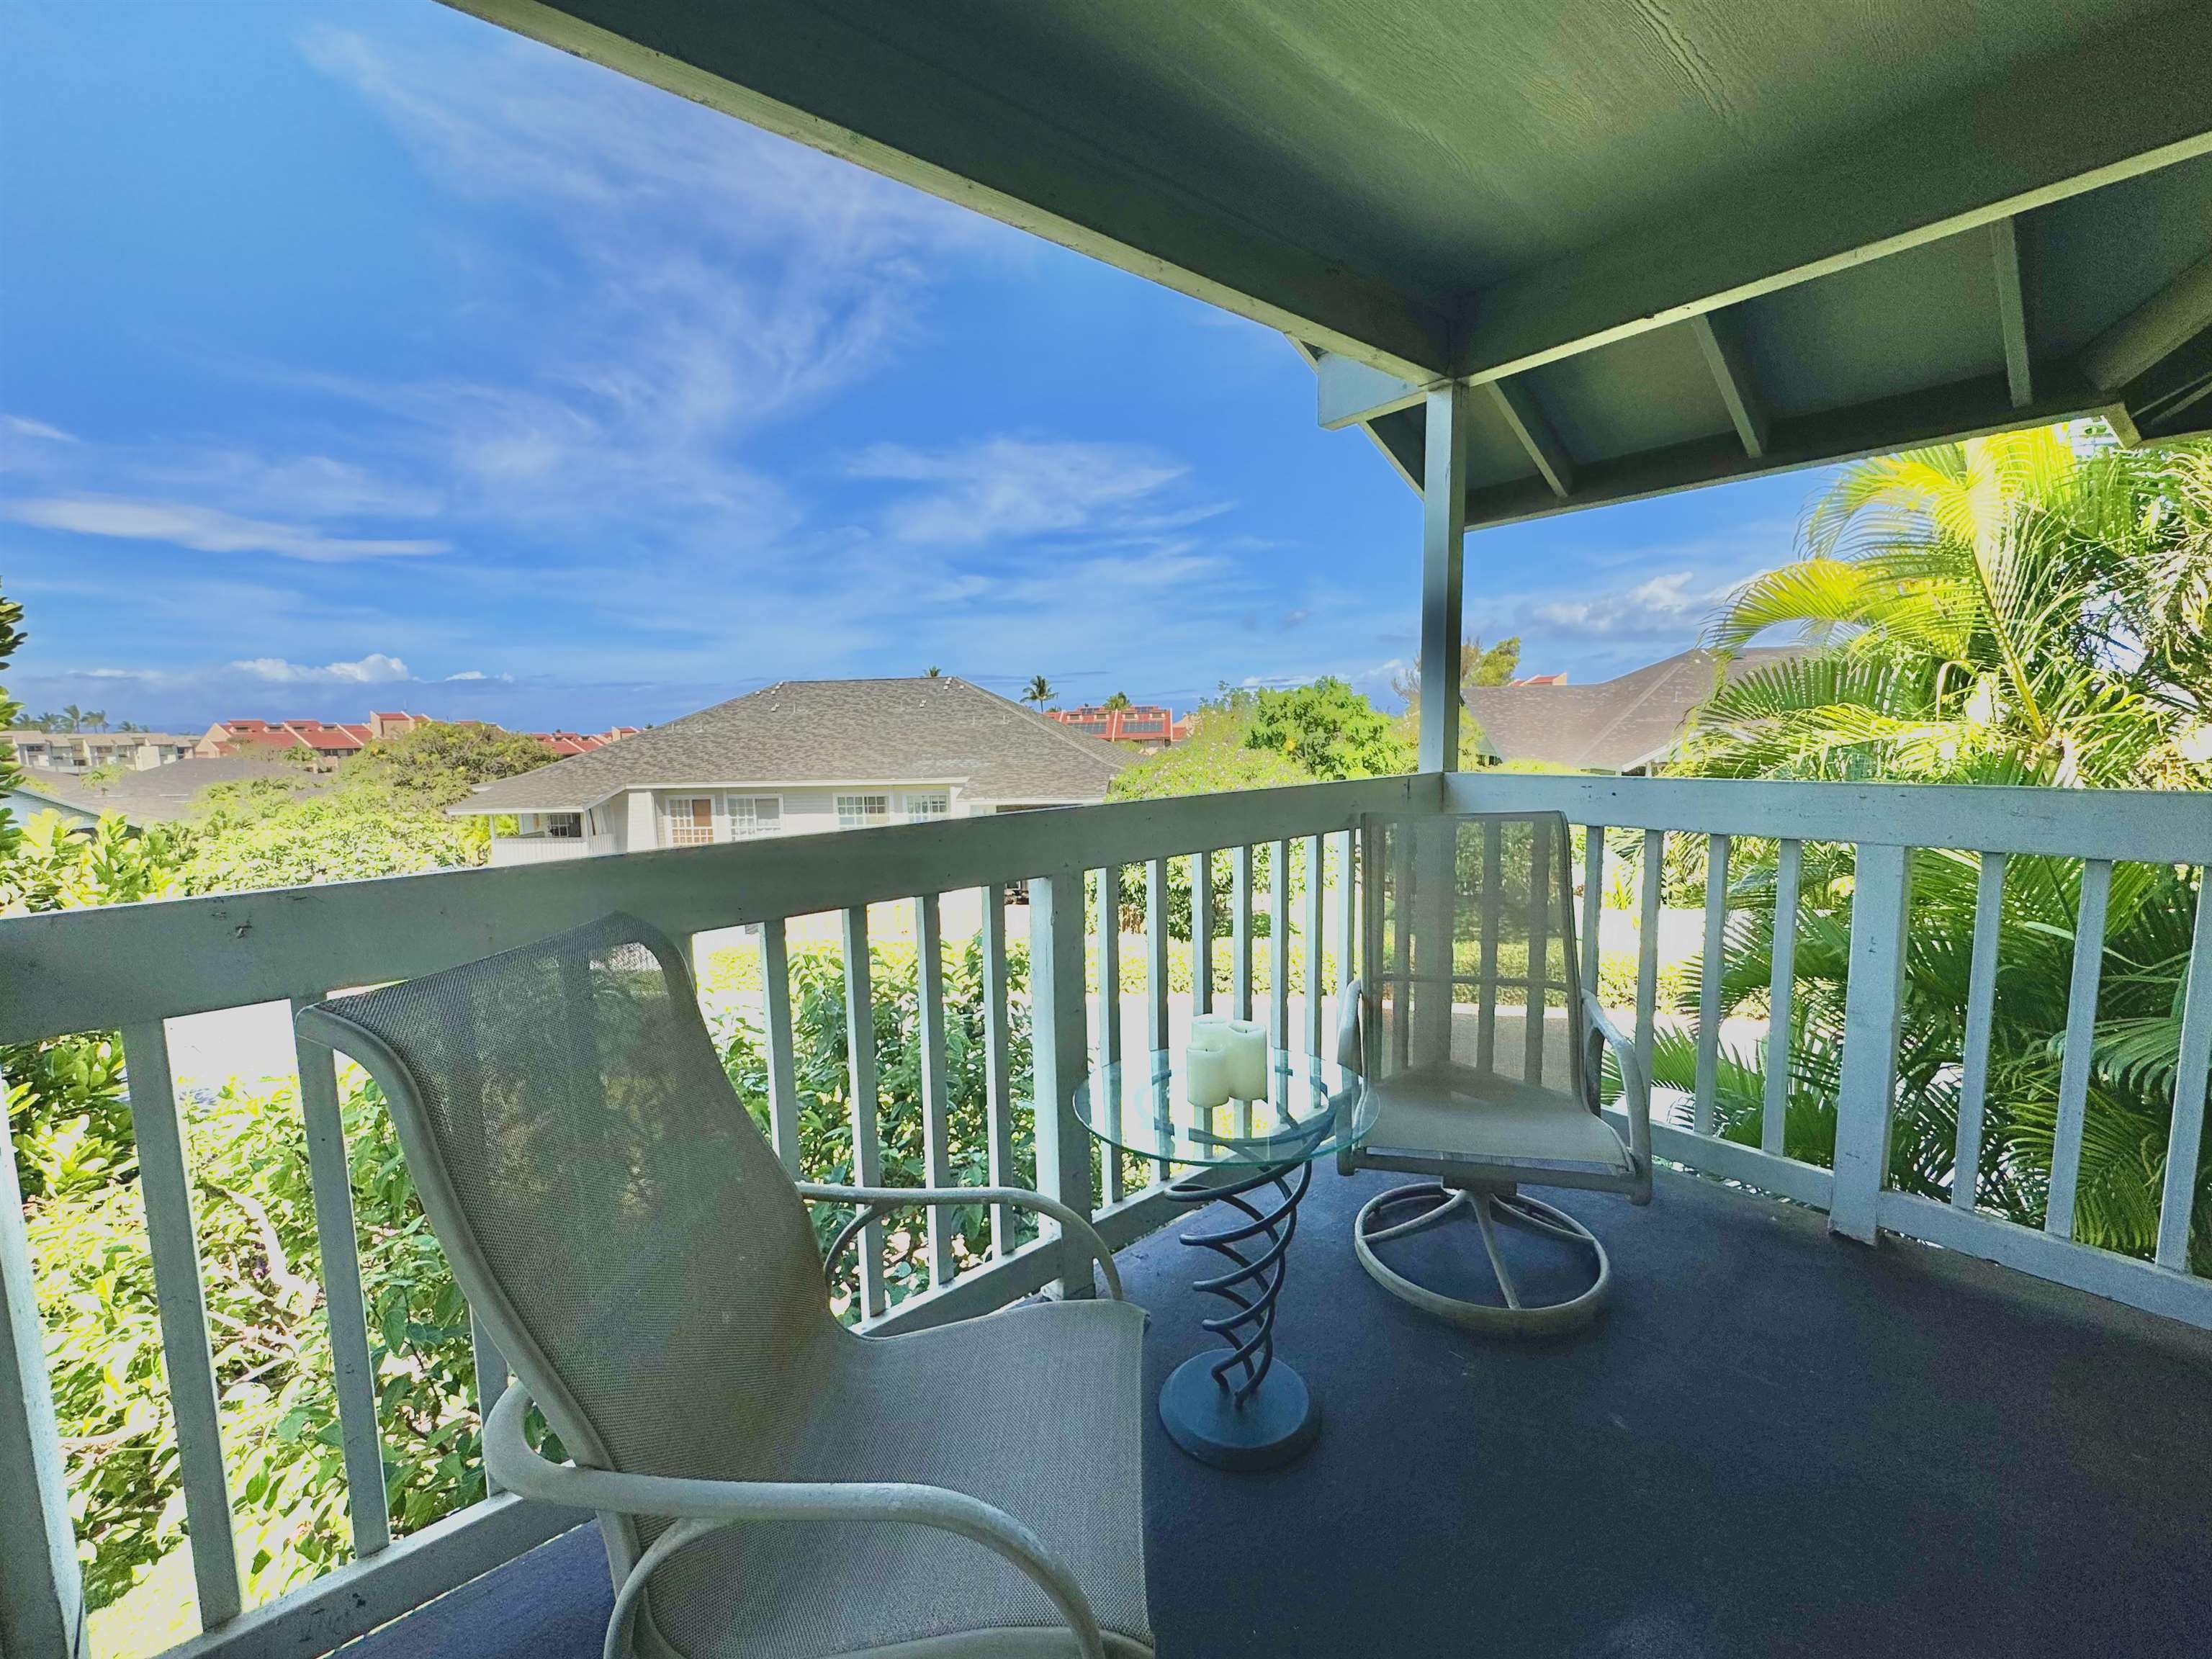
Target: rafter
x,y
2153,331
1723,345
1535,435
2012,311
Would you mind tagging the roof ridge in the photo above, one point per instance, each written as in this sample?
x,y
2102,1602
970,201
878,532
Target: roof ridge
x,y
1087,745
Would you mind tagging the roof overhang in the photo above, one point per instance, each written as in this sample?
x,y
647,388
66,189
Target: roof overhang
x,y
1673,248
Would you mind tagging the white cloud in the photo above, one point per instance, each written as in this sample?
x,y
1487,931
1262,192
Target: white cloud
x,y
23,426
205,530
1004,488
1668,606
375,668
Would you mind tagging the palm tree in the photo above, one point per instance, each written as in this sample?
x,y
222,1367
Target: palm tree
x,y
2030,609
1040,691
73,716
1119,700
932,672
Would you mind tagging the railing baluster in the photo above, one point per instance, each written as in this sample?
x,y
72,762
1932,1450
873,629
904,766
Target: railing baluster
x,y
1486,1028
1156,957
1279,945
1540,952
998,1080
1347,912
860,1055
1201,933
1781,993
1239,931
1647,945
936,1096
1109,998
1593,900
1317,986
1401,860
1705,1107
41,1585
776,1025
339,1247
2185,1140
165,1185
1981,1009
1060,1040
1867,1089
2080,1035
490,1368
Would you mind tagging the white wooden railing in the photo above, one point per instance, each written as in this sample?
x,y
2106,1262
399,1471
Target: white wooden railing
x,y
131,967
1884,822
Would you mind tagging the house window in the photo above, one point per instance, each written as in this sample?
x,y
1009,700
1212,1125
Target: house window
x,y
754,815
565,826
863,812
923,804
687,821
597,818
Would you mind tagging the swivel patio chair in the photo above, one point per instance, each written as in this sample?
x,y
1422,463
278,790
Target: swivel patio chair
x,y
1483,1051
769,1484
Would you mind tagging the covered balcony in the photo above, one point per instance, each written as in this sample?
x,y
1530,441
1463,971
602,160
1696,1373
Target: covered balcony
x,y
1545,261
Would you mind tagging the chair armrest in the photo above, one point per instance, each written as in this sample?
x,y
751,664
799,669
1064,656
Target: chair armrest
x,y
877,1200
700,1507
1635,1086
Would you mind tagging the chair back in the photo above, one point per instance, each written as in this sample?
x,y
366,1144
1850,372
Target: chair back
x,y
607,1206
1472,975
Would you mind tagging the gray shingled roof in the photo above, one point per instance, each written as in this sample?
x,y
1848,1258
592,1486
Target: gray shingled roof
x,y
887,730
160,793
1611,725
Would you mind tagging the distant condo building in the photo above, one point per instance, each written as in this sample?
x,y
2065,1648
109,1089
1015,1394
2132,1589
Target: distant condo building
x,y
1149,726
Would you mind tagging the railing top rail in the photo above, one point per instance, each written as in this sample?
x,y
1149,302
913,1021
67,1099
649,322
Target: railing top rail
x,y
93,969
2131,825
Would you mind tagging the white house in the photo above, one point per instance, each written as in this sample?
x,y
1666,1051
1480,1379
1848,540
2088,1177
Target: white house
x,y
794,758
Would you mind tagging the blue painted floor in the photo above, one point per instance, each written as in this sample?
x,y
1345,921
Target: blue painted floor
x,y
1774,1441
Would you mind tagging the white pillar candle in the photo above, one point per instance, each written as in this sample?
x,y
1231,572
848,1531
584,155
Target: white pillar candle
x,y
1247,1060
1205,1065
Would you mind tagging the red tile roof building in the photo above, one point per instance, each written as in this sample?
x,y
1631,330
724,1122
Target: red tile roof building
x,y
332,742
1139,723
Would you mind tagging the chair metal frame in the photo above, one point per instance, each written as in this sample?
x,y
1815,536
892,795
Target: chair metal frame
x,y
701,1507
1489,1191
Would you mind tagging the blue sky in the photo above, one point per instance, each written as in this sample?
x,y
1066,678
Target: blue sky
x,y
365,355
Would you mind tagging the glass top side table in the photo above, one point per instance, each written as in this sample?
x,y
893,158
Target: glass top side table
x,y
1238,1407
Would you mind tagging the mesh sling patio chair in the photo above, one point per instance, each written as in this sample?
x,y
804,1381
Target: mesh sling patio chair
x,y
769,1484
1482,1049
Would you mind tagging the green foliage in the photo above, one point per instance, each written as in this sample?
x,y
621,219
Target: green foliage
x,y
438,762
269,837
825,1105
1216,756
2029,609
1329,730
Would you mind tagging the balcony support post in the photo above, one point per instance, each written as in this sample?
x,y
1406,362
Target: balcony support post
x,y
1059,1035
41,1592
1444,536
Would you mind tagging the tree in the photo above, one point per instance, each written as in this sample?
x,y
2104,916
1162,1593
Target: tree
x,y
1479,664
2030,607
1040,691
1216,756
932,672
437,763
73,716
1330,730
11,641
1119,700
2027,609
